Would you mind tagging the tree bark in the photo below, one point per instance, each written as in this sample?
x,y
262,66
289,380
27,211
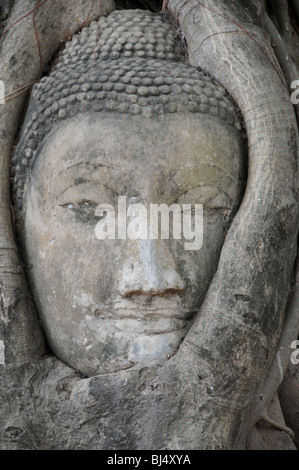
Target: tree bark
x,y
204,397
279,13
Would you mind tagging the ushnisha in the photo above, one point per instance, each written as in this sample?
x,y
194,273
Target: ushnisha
x,y
120,64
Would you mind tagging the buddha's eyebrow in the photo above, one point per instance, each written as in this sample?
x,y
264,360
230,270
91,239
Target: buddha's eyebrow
x,y
91,162
75,165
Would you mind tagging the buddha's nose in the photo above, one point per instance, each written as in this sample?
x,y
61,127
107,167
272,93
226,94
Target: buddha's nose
x,y
148,267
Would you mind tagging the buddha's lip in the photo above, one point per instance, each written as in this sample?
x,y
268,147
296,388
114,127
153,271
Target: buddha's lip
x,y
128,309
144,315
153,314
143,325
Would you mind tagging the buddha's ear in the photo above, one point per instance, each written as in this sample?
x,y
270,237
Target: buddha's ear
x,y
29,39
241,319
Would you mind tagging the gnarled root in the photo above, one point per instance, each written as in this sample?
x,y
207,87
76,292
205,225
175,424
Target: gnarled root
x,y
282,427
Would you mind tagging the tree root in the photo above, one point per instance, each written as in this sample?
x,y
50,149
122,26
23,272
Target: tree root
x,y
282,427
281,358
279,13
285,56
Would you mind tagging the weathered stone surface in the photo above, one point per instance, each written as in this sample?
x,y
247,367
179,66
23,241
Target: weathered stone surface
x,y
119,304
107,305
203,396
264,436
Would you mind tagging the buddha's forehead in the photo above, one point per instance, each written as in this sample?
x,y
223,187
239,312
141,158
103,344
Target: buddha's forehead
x,y
183,149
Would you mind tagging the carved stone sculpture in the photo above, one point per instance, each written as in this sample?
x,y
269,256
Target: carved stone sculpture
x,y
109,131
141,343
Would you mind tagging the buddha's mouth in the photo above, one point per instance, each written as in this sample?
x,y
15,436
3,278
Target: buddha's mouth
x,y
155,310
146,326
152,309
137,318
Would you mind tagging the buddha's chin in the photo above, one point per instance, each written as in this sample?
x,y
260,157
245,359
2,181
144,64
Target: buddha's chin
x,y
119,345
142,340
144,350
156,347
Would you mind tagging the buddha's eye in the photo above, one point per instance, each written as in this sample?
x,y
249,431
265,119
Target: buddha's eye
x,y
84,211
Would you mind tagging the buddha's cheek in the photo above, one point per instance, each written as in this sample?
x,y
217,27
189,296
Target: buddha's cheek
x,y
198,267
71,270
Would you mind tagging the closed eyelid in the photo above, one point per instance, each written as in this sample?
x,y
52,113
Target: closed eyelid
x,y
217,199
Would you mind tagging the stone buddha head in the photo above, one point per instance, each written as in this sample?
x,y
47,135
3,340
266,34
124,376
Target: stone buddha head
x,y
123,115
